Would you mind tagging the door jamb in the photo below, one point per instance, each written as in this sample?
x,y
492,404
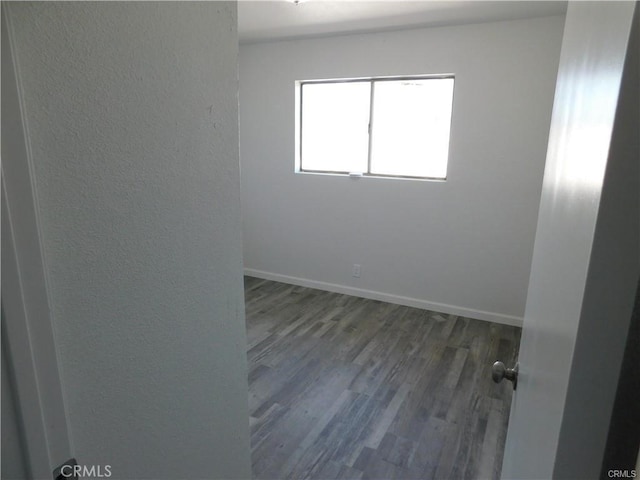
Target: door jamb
x,y
27,328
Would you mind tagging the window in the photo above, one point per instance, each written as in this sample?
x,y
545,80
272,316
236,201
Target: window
x,y
393,127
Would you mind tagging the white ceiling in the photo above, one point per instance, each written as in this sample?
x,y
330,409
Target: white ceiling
x,y
267,20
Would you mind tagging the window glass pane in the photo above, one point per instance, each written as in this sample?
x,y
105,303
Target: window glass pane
x,y
335,122
411,123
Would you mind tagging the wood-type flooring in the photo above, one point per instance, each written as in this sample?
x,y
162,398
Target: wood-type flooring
x,y
342,387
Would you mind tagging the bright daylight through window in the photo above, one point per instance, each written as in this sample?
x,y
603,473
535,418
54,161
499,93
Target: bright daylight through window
x,y
392,127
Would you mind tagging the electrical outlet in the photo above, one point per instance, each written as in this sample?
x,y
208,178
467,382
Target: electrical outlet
x,y
356,270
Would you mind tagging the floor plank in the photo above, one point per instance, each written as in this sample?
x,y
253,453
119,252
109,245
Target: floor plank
x,y
348,388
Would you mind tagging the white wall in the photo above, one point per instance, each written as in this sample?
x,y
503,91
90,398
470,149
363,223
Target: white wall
x,y
461,246
132,122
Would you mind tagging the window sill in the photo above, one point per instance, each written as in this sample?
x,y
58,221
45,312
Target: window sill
x,y
370,176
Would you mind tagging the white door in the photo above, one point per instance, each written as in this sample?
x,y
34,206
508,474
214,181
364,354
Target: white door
x,y
585,261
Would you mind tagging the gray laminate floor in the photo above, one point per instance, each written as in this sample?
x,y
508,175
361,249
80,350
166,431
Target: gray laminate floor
x,y
343,387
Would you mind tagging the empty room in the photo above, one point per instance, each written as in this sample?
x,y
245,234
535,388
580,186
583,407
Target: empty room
x,y
391,182
392,158
320,240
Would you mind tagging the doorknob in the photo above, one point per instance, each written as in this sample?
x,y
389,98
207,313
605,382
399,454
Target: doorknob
x,y
499,371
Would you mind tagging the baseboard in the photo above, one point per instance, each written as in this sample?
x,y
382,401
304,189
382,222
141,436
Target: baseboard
x,y
389,298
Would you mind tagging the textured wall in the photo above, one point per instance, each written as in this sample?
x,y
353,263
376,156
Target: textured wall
x,y
465,243
132,117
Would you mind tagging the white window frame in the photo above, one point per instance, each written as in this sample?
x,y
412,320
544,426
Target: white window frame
x,y
299,84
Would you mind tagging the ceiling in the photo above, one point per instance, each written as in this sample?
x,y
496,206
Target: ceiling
x,y
269,20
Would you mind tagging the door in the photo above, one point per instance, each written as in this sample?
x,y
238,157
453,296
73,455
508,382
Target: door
x,y
585,261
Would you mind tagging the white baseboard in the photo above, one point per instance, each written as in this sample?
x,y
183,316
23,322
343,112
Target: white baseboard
x,y
389,298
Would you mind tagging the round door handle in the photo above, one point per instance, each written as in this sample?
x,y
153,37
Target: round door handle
x,y
499,371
